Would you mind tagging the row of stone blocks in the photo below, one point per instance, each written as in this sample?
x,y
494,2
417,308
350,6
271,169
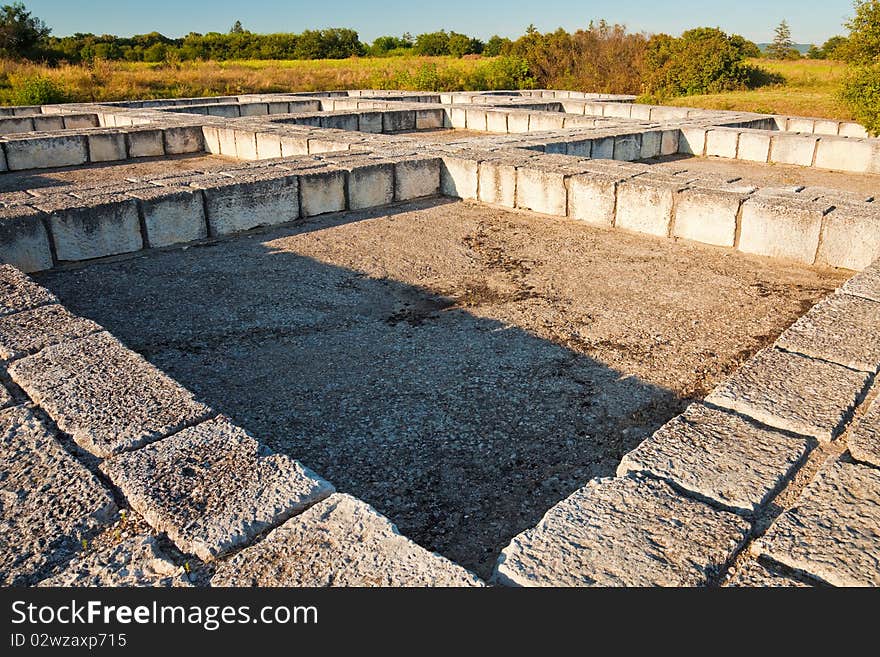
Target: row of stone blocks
x,y
189,472
813,226
61,149
47,123
854,155
684,501
110,220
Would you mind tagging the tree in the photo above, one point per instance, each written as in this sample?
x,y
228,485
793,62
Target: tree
x,y
863,45
782,46
236,28
833,48
495,46
432,43
20,33
746,47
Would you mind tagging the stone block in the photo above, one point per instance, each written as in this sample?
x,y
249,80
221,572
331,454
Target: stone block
x,y
669,142
497,183
172,215
692,141
398,120
645,206
184,139
754,147
459,177
475,119
652,142
592,198
517,122
801,124
722,143
841,329
292,146
145,143
107,397
602,148
29,331
322,192
137,561
429,119
245,202
48,123
853,130
213,488
254,109
707,215
831,533
720,457
80,121
340,122
416,178
226,110
94,227
842,154
268,145
496,122
46,152
865,284
107,147
19,293
541,190
795,149
340,541
781,228
24,242
370,186
627,147
545,121
458,118
623,532
794,393
50,502
370,122
864,437
246,145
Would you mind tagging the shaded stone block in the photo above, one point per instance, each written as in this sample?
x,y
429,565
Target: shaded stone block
x,y
172,215
94,227
29,331
24,242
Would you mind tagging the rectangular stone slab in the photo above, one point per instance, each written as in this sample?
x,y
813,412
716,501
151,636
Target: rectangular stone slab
x,y
623,532
865,284
106,396
864,437
842,329
792,392
18,292
339,542
48,501
24,241
32,330
720,457
831,532
213,488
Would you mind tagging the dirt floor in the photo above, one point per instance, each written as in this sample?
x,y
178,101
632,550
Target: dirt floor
x,y
462,382
773,175
114,171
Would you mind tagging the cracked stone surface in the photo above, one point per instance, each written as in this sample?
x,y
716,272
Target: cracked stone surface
x,y
864,438
48,501
341,541
866,284
755,575
792,392
719,456
623,532
213,488
833,531
18,292
30,331
842,329
106,396
134,561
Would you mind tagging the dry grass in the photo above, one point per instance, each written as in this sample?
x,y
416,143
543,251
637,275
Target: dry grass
x,y
106,81
810,89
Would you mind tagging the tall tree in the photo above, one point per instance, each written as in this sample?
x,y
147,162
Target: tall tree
x,y
863,45
782,46
20,33
236,28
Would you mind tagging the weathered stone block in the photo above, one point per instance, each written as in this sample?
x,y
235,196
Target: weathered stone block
x,y
29,331
18,292
707,215
541,190
722,143
831,532
172,215
107,147
107,397
340,541
145,143
46,152
459,177
213,488
517,122
50,502
720,457
623,532
645,206
475,119
496,122
246,145
793,149
865,284
253,109
184,139
754,147
602,148
627,147
24,242
652,142
398,120
48,123
416,178
322,192
370,122
268,145
851,236
841,329
792,392
244,202
429,119
94,227
781,228
294,145
692,141
843,154
497,183
864,438
592,198
370,186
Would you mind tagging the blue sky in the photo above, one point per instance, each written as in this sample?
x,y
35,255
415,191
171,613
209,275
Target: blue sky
x,y
810,22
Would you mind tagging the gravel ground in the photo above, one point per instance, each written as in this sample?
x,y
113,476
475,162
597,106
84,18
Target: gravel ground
x,y
462,368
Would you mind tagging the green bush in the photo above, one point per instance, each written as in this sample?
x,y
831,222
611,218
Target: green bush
x,y
861,92
37,90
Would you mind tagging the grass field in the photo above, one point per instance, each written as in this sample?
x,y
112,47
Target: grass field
x,y
809,89
105,81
